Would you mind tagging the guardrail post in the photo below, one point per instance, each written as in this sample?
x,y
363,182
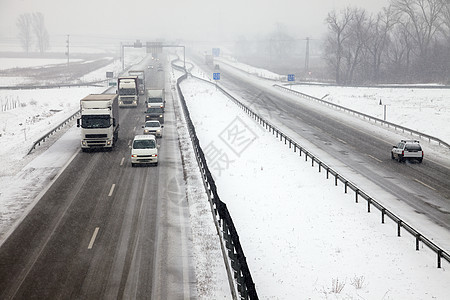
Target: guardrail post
x,y
417,241
345,187
439,255
320,166
368,204
336,179
312,161
356,195
383,212
328,173
399,226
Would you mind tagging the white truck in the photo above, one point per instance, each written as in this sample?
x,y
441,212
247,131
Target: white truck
x,y
155,98
128,90
141,79
99,121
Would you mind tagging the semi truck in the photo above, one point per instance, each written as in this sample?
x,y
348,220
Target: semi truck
x,y
128,90
99,121
141,79
155,98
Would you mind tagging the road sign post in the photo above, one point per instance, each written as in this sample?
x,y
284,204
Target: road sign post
x,y
291,77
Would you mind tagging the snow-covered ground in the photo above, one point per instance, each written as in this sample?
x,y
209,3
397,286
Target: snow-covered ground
x,y
302,236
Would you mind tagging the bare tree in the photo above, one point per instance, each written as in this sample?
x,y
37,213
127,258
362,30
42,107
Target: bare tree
x,y
425,16
40,32
24,24
379,39
354,47
338,33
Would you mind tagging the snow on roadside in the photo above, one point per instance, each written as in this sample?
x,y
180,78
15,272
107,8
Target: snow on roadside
x,y
303,237
212,281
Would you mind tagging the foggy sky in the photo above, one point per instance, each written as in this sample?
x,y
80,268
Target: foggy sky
x,y
183,19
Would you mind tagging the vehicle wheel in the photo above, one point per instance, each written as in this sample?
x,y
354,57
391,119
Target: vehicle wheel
x,y
392,155
133,165
400,159
420,160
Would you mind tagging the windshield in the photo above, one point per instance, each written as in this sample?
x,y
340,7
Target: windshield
x,y
127,91
156,110
95,121
154,100
152,124
144,144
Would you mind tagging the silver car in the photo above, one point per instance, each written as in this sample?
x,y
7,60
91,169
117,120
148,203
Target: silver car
x,y
153,127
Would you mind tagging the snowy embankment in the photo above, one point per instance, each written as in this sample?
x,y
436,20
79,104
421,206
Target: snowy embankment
x,y
303,237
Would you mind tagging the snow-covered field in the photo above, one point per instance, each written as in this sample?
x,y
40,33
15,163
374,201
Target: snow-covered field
x,y
302,236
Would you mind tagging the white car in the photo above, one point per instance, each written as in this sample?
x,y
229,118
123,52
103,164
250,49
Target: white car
x,y
153,127
407,150
144,150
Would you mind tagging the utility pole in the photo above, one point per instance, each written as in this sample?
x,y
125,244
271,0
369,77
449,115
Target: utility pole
x,y
68,49
307,56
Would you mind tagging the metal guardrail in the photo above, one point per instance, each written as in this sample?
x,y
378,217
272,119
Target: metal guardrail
x,y
245,284
51,132
365,116
359,193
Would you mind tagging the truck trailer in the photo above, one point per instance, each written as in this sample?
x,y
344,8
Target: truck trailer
x,y
99,121
128,90
141,79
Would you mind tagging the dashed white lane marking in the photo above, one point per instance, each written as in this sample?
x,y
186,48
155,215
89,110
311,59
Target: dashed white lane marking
x,y
94,236
423,183
379,160
121,162
111,190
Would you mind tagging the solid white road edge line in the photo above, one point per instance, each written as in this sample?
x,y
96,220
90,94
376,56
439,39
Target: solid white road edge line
x,y
94,235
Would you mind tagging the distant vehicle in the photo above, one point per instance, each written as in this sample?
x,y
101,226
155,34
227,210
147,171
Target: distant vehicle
x,y
155,113
407,150
153,127
128,90
99,121
141,79
144,150
155,98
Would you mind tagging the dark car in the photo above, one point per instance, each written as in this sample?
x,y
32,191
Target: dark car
x,y
155,113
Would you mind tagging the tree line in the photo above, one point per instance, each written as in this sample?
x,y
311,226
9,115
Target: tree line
x,y
32,31
407,41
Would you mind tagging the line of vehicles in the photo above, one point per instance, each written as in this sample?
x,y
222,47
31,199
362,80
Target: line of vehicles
x,y
99,120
